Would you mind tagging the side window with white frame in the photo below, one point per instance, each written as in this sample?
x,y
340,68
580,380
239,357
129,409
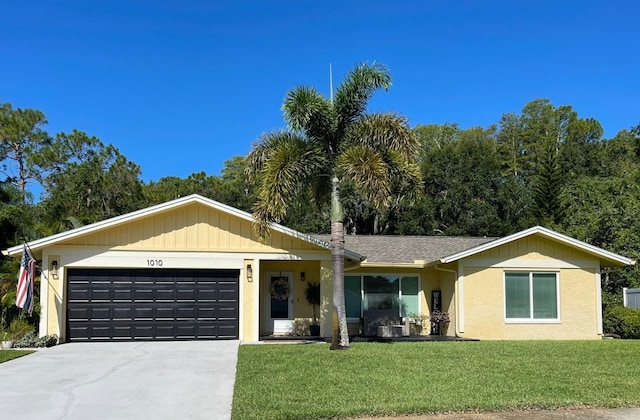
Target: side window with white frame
x,y
531,296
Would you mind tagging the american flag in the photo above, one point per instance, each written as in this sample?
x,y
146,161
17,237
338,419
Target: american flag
x,y
24,297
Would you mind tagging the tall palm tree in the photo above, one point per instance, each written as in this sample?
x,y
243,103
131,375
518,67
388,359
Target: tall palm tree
x,y
331,141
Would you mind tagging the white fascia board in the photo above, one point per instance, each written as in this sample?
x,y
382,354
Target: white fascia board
x,y
159,208
567,240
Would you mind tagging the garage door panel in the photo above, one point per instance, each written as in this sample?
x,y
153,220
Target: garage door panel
x,y
135,304
207,313
143,313
123,313
208,294
188,295
186,330
123,294
79,313
145,294
166,331
166,294
165,313
79,332
207,330
100,313
143,331
122,332
226,332
101,331
227,314
186,312
101,294
79,293
227,295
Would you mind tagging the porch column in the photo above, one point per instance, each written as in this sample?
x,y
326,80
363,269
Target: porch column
x,y
326,296
250,301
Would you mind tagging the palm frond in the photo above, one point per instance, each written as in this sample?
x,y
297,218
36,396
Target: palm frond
x,y
366,169
283,162
307,111
357,88
405,176
385,131
263,148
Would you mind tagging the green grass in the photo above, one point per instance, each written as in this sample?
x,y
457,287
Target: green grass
x,y
309,381
6,355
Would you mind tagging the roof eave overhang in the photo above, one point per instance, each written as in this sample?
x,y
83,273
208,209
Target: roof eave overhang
x,y
380,264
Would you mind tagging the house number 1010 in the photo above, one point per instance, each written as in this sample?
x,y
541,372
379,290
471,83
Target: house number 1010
x,y
154,263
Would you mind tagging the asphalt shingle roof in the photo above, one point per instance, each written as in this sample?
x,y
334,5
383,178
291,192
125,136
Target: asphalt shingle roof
x,y
407,249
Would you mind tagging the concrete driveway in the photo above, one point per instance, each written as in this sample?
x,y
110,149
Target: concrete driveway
x,y
132,380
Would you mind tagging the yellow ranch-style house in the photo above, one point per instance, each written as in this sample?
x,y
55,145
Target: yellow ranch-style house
x,y
192,268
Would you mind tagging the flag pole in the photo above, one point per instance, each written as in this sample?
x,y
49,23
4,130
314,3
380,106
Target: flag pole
x,y
330,83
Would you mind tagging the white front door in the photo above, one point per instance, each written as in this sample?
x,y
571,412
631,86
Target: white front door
x,y
279,302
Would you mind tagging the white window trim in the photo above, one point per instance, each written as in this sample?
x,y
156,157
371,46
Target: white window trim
x,y
531,319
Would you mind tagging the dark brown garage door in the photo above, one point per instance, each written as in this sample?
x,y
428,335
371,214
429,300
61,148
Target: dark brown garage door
x,y
161,304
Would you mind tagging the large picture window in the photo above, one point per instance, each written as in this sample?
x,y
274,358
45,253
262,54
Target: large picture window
x,y
531,296
381,292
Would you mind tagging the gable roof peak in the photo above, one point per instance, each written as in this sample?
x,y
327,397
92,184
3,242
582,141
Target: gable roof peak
x,y
608,256
162,207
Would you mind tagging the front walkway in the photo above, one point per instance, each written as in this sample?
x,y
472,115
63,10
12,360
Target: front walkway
x,y
127,380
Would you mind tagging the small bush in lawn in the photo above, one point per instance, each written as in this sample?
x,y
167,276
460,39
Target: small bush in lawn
x,y
28,340
622,321
19,328
48,341
31,340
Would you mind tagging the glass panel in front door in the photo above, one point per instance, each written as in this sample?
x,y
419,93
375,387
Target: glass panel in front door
x,y
279,289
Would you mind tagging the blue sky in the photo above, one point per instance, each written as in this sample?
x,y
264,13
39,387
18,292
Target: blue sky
x,y
181,86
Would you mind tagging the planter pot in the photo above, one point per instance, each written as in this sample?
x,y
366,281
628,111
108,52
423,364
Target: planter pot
x,y
7,344
314,330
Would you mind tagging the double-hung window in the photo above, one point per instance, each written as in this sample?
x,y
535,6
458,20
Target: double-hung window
x,y
531,297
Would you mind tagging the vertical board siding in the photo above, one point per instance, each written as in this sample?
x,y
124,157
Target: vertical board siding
x,y
193,227
533,247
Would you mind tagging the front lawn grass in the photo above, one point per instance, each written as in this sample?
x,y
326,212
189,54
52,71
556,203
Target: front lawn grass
x,y
6,355
309,381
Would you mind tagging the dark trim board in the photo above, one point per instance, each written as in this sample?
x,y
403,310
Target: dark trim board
x,y
152,304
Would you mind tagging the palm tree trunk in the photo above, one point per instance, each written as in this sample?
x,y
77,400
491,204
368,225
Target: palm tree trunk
x,y
340,337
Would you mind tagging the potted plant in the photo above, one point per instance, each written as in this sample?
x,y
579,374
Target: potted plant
x,y
441,319
6,340
17,330
312,294
416,322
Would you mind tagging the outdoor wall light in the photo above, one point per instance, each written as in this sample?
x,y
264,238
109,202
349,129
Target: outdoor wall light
x,y
54,269
249,273
302,278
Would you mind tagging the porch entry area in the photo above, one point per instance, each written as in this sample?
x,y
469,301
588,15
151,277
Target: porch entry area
x,y
380,299
279,302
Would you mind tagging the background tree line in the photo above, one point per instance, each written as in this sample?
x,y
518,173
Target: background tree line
x,y
544,165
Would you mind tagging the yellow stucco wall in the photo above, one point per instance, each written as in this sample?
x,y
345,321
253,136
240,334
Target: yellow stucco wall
x,y
484,296
484,307
248,308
